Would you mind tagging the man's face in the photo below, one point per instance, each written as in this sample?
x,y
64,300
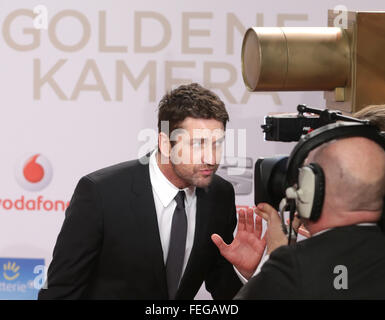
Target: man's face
x,y
197,150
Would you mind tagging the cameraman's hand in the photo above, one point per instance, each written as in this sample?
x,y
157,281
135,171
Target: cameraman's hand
x,y
299,228
274,233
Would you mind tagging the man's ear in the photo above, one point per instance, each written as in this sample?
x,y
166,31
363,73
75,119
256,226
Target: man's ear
x,y
164,144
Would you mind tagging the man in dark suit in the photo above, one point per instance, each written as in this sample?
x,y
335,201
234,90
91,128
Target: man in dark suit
x,y
142,229
345,256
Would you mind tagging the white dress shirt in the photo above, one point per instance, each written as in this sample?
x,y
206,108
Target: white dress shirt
x,y
164,193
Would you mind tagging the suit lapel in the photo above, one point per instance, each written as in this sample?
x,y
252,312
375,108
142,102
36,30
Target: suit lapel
x,y
146,221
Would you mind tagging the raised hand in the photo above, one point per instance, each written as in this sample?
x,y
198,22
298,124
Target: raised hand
x,y
246,250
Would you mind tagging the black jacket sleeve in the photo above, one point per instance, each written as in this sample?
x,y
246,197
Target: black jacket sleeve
x,y
222,281
77,245
279,278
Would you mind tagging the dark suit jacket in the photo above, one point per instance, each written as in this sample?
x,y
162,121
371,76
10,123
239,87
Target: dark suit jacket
x,y
307,270
109,245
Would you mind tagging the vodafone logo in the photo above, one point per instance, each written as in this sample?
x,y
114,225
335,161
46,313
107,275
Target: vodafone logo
x,y
34,172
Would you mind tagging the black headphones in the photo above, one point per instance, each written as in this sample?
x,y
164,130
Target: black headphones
x,y
306,183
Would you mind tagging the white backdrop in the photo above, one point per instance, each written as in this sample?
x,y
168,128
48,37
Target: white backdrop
x,y
77,94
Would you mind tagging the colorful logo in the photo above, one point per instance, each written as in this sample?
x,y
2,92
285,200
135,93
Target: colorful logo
x,y
11,271
21,279
34,172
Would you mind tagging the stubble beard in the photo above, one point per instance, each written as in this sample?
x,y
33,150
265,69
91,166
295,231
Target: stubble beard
x,y
196,179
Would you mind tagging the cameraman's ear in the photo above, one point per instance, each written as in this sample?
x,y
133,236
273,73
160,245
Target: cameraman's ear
x,y
164,144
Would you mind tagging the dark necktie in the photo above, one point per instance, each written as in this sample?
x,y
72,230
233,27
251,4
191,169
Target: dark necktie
x,y
177,245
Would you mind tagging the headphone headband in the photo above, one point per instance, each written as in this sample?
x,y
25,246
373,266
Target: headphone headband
x,y
325,134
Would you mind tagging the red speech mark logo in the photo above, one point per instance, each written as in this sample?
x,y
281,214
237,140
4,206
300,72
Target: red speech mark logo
x,y
34,172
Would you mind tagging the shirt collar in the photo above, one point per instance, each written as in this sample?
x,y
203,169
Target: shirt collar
x,y
164,189
358,224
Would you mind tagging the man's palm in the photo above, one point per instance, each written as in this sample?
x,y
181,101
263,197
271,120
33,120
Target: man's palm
x,y
246,250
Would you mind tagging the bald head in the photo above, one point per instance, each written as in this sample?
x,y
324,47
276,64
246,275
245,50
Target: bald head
x,y
354,174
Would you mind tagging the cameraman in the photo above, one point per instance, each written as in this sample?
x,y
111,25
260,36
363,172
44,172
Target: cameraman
x,y
376,115
344,258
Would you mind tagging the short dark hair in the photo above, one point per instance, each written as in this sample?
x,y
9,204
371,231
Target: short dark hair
x,y
191,100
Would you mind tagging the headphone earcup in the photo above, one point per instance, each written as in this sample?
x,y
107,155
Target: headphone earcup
x,y
309,192
319,191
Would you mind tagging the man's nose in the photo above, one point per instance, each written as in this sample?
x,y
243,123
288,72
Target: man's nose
x,y
209,156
